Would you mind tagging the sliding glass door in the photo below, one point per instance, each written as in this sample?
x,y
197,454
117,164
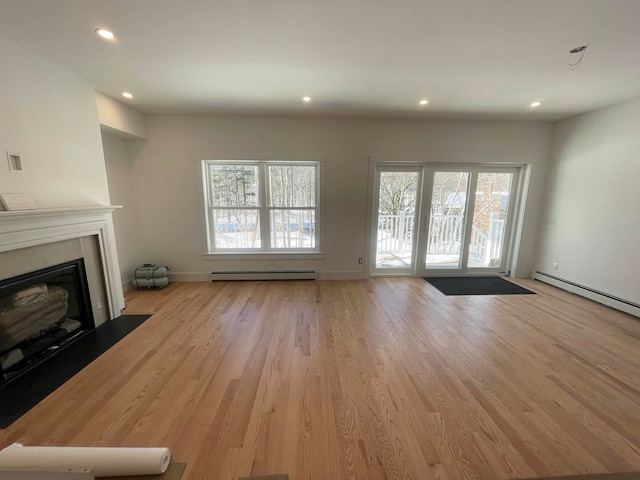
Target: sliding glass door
x,y
396,205
447,220
447,215
469,213
489,220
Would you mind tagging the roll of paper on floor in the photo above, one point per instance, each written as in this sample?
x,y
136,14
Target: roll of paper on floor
x,y
104,461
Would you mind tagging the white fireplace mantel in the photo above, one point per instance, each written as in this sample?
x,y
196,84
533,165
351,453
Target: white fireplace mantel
x,y
28,228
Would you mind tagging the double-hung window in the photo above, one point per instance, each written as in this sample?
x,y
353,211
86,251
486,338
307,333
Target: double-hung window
x,y
261,206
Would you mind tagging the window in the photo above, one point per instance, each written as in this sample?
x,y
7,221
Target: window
x,y
258,207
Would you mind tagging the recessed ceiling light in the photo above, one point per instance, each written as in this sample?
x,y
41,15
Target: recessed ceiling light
x,y
127,95
306,99
423,102
104,33
535,104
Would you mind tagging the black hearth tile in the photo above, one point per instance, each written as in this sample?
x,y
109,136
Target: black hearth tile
x,y
21,394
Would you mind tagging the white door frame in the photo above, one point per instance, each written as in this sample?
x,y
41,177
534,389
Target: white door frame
x,y
515,215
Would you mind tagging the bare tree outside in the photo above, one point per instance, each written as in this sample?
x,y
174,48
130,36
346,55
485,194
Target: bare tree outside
x,y
398,192
235,186
492,194
292,203
396,218
235,198
290,209
292,186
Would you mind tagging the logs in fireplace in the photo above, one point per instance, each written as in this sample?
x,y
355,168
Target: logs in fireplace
x,y
42,312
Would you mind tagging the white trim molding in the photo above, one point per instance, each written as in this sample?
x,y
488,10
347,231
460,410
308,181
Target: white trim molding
x,y
265,275
595,295
28,228
207,277
340,275
189,277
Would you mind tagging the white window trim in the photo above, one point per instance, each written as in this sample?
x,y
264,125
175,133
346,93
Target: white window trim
x,y
265,252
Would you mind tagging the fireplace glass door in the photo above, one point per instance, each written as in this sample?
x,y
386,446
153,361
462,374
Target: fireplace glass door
x,y
40,313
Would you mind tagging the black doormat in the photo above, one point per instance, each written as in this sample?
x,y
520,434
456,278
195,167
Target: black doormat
x,y
476,286
21,394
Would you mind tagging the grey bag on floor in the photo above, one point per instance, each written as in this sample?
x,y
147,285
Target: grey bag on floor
x,y
150,276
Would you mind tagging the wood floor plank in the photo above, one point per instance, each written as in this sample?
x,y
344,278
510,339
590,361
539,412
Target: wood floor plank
x,y
378,379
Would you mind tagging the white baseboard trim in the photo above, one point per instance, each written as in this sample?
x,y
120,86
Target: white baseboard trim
x,y
128,285
207,277
189,277
595,295
342,276
272,275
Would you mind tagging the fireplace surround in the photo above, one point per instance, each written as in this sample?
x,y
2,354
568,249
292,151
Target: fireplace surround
x,y
36,239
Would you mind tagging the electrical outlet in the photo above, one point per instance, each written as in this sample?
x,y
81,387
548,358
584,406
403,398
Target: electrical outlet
x,y
360,261
100,301
555,266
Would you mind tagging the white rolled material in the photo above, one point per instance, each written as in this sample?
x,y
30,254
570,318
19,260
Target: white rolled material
x,y
104,461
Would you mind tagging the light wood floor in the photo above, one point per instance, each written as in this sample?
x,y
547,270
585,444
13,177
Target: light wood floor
x,y
378,379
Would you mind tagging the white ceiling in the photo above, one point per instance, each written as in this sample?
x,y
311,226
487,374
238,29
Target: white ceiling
x,y
470,58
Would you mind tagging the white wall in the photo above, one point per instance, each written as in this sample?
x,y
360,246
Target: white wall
x,y
48,116
167,183
594,199
121,190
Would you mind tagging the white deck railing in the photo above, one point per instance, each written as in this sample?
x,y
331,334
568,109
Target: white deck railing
x,y
395,235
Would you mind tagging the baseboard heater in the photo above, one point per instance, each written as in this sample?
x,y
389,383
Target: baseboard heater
x,y
595,295
267,275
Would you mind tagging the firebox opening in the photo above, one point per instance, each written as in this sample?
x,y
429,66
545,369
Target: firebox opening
x,y
41,313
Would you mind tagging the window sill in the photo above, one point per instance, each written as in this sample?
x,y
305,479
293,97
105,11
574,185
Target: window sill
x,y
264,256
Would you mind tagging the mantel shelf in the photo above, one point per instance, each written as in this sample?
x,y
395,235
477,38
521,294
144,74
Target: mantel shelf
x,y
52,212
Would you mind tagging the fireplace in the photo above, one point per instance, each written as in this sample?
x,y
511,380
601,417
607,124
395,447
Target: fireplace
x,y
66,243
41,313
31,240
